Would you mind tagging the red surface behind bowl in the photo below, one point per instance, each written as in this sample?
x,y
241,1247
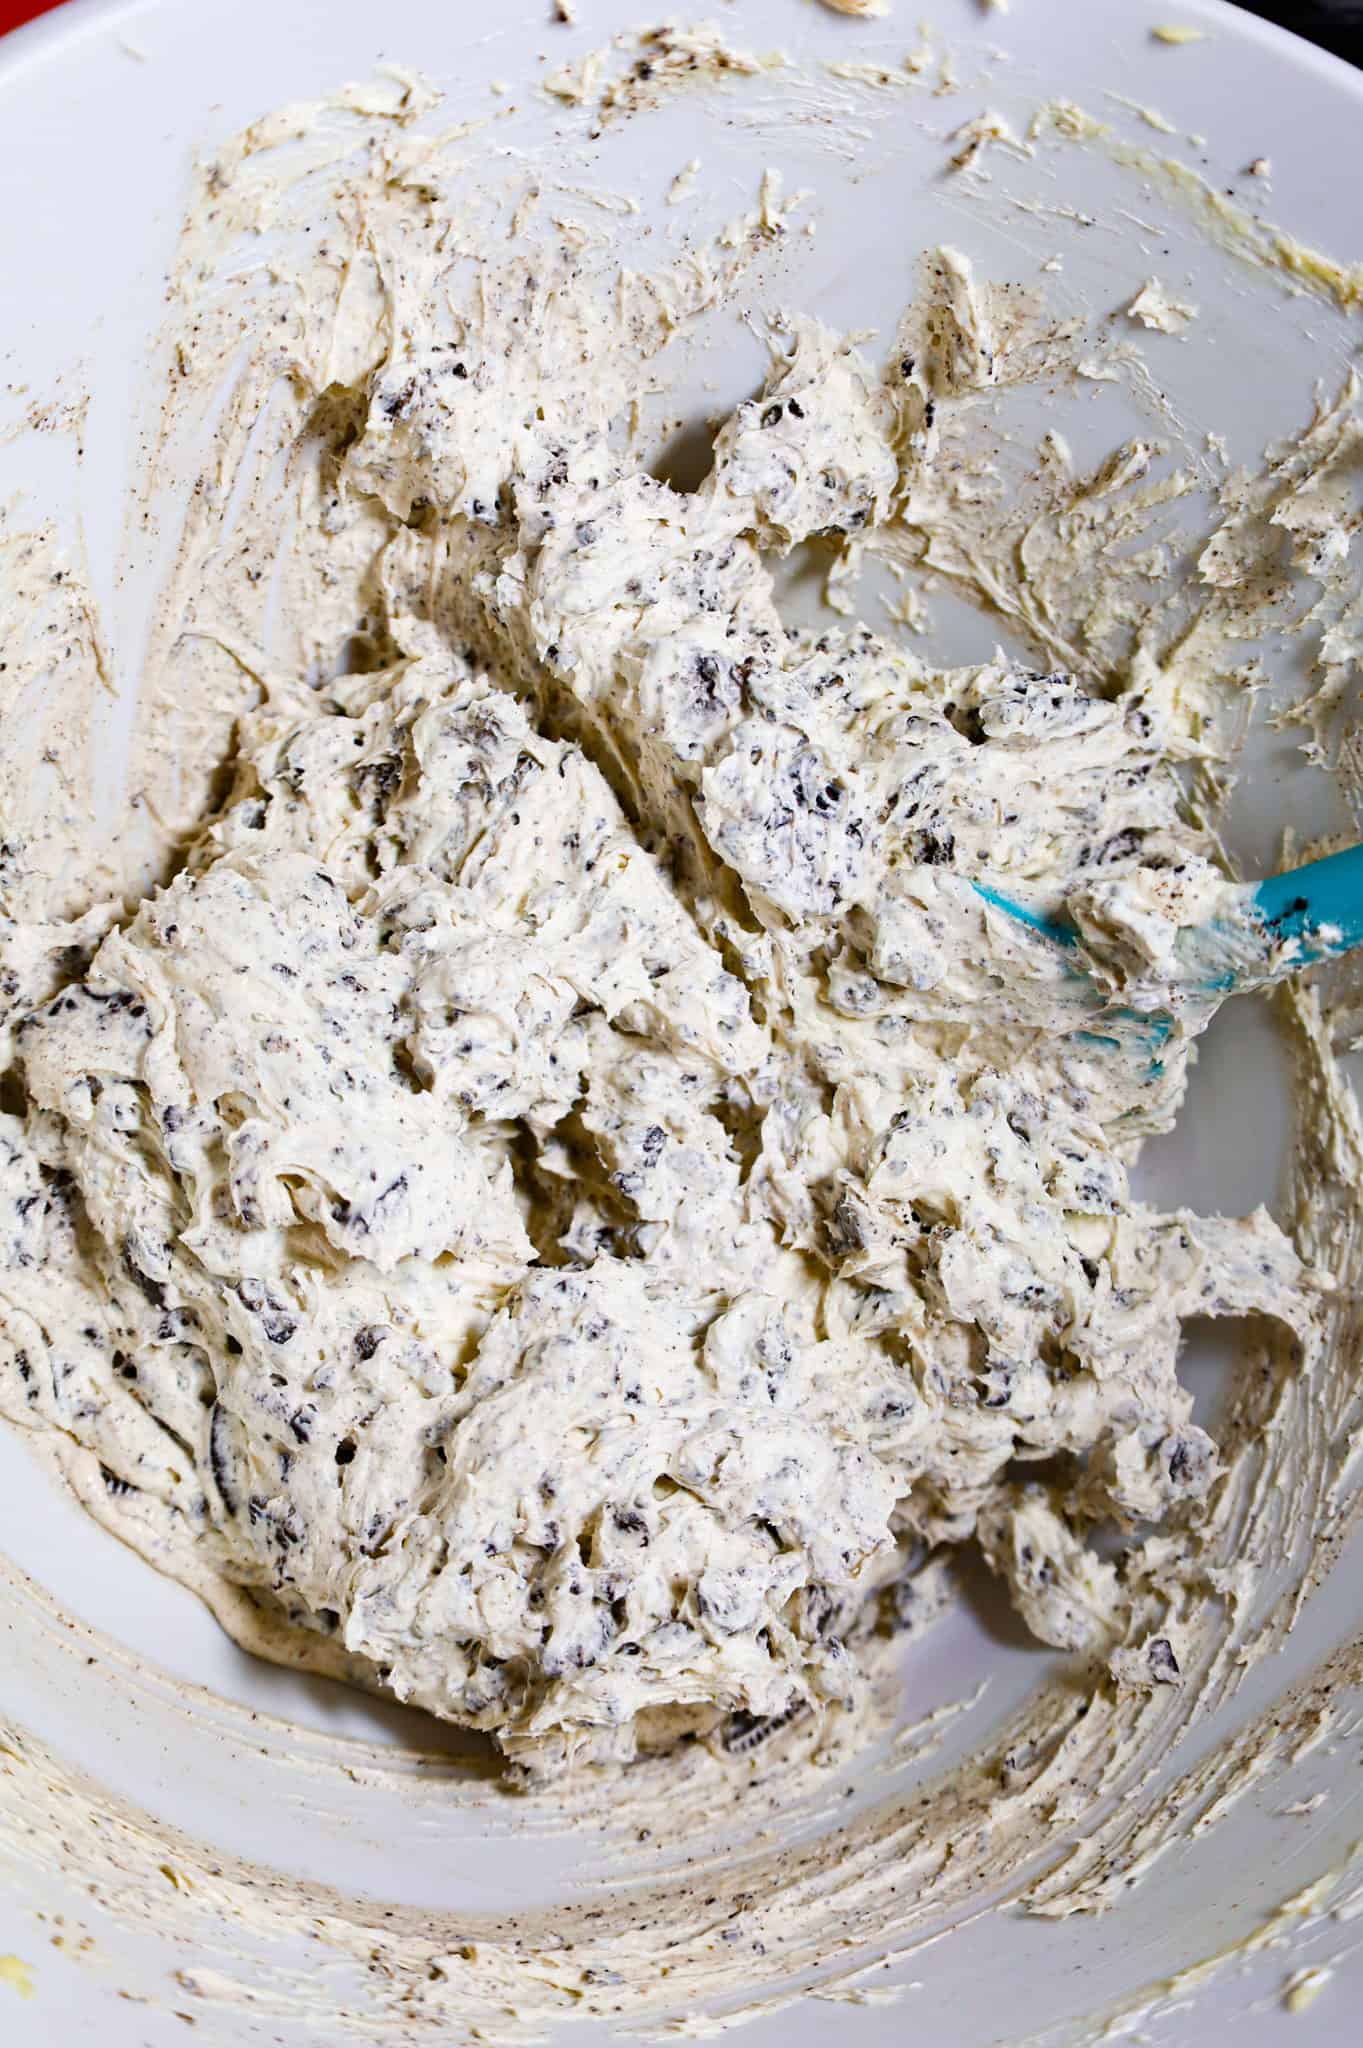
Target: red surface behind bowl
x,y
12,12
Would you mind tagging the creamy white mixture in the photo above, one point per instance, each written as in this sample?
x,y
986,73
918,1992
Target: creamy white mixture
x,y
569,1194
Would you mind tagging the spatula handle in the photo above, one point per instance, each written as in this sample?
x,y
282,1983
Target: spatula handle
x,y
1325,892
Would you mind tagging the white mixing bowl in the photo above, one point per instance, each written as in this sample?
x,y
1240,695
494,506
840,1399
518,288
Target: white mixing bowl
x,y
122,1674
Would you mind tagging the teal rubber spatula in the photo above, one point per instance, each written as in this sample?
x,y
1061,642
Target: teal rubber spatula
x,y
1320,905
1274,928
